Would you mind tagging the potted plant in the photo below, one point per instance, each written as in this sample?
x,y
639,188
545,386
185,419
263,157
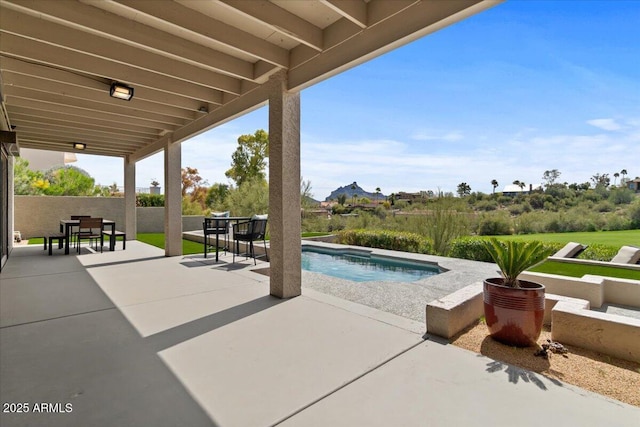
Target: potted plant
x,y
513,308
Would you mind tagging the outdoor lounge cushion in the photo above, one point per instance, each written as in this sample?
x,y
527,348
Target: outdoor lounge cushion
x,y
627,255
224,214
570,250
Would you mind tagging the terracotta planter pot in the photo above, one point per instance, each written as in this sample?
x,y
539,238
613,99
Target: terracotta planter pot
x,y
514,315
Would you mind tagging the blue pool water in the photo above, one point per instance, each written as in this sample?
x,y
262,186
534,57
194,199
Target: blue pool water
x,y
363,268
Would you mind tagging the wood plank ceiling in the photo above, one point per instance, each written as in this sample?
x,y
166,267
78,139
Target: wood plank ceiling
x,y
193,64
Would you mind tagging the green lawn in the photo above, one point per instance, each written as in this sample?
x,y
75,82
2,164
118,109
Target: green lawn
x,y
609,238
157,239
579,270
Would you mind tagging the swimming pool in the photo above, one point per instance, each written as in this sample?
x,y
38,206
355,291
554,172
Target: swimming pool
x,y
360,266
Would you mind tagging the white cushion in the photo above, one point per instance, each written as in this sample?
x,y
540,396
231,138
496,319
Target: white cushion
x,y
260,216
220,214
627,255
570,250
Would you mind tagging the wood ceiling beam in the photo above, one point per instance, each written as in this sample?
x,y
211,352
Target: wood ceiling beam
x,y
99,84
100,97
109,25
81,122
279,20
54,129
81,41
124,111
353,10
209,28
57,57
83,114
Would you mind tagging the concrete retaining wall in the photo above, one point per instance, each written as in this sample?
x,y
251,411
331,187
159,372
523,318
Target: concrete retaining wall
x,y
611,334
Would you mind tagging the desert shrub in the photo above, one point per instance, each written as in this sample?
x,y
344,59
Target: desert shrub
x,y
604,206
621,196
634,214
616,221
385,239
494,225
530,223
486,205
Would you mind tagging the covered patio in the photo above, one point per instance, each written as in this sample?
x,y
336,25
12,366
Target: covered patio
x,y
136,338
186,67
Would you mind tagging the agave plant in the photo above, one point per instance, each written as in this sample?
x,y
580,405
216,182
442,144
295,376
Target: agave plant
x,y
514,257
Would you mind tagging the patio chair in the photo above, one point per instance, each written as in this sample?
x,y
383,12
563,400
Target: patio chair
x,y
74,230
570,250
627,255
216,225
248,232
90,229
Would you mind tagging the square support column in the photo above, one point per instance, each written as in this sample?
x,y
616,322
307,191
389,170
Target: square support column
x,y
130,218
284,189
172,199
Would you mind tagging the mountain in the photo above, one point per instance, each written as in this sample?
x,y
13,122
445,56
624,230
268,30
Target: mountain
x,y
351,189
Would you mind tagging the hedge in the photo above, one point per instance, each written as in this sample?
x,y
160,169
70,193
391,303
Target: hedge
x,y
386,239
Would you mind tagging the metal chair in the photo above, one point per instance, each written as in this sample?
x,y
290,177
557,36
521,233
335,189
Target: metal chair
x,y
248,232
215,226
90,229
74,230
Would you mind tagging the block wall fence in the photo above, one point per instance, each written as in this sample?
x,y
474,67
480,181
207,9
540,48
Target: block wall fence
x,y
36,216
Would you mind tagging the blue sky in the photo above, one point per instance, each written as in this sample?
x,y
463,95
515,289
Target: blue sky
x,y
507,94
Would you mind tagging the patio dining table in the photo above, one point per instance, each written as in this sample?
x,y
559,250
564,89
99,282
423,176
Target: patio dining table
x,y
67,224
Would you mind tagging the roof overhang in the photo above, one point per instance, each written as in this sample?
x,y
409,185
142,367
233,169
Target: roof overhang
x,y
194,64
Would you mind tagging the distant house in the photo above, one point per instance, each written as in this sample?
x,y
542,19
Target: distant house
x,y
42,160
513,190
634,185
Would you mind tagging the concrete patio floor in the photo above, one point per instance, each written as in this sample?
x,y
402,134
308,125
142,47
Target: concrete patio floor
x,y
132,338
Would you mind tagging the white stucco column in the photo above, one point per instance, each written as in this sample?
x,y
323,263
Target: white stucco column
x,y
284,189
130,218
172,199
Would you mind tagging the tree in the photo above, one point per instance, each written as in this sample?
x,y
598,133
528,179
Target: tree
x,y
494,184
305,193
615,175
26,181
464,189
378,191
601,180
550,177
342,198
216,195
248,162
69,181
519,183
354,196
623,172
191,180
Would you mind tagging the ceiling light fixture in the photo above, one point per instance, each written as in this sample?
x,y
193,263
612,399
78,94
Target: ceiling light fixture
x,y
120,91
79,146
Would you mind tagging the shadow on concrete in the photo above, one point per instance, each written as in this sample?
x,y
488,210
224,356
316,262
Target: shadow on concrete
x,y
181,333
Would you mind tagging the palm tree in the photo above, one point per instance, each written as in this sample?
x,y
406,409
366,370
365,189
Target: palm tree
x,y
377,194
623,172
494,184
519,183
354,195
615,175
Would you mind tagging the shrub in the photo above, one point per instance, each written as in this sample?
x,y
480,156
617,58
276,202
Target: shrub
x,y
384,239
469,248
486,205
149,200
599,252
634,214
494,225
